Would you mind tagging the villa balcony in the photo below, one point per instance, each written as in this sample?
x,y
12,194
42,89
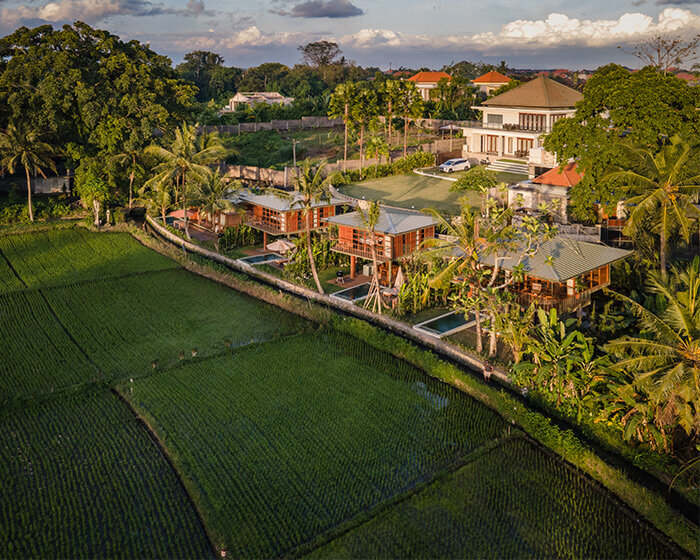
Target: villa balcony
x,y
506,127
363,252
547,302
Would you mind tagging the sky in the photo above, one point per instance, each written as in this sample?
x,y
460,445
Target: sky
x,y
385,33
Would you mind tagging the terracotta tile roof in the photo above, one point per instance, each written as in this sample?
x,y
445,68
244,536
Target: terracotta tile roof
x,y
429,77
567,177
492,77
542,93
686,76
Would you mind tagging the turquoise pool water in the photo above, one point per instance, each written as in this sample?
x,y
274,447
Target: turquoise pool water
x,y
261,259
445,323
353,294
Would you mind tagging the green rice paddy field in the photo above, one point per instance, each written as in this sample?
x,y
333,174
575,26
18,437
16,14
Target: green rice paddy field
x,y
151,413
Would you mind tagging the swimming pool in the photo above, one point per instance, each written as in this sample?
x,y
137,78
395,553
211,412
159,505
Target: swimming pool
x,y
445,324
261,259
356,293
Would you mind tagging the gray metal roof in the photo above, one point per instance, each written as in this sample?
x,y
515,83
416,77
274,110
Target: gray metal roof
x,y
392,221
570,259
279,203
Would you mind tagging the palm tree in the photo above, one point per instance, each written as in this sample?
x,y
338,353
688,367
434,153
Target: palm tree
x,y
158,197
392,92
370,218
130,158
410,106
364,110
665,357
19,146
660,184
186,163
214,192
312,187
339,107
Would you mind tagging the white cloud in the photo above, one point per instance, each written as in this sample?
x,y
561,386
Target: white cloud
x,y
555,30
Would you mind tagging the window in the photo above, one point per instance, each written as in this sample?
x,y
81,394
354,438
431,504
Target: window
x,y
531,121
494,119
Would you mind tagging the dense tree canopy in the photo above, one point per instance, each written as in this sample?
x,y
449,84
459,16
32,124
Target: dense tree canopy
x,y
645,107
86,91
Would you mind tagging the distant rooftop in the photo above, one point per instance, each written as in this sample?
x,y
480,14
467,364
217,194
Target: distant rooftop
x,y
392,221
492,77
429,77
567,177
541,93
278,201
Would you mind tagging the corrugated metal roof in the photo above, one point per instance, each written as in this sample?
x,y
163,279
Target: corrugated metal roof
x,y
392,221
570,259
279,203
542,92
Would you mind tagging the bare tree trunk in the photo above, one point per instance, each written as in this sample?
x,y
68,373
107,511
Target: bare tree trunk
x,y
479,331
362,140
131,181
184,206
492,336
345,152
312,263
663,245
405,135
96,211
29,195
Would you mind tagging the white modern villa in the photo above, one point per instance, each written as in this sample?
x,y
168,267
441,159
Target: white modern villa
x,y
426,82
255,97
514,122
490,82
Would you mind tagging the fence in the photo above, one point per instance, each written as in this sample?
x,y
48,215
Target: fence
x,y
292,124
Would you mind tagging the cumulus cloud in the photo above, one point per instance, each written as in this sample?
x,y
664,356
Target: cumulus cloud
x,y
325,9
676,2
95,10
249,38
555,30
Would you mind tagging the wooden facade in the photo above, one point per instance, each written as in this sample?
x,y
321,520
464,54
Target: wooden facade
x,y
562,296
288,222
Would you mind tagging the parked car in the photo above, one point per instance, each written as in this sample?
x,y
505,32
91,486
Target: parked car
x,y
459,164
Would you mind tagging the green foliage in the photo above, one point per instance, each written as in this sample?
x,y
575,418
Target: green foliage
x,y
240,236
399,167
478,179
644,107
89,482
350,428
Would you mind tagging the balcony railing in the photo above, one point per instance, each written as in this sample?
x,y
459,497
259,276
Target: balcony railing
x,y
506,126
565,305
348,248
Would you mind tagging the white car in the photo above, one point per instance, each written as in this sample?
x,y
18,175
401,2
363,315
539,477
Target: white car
x,y
451,165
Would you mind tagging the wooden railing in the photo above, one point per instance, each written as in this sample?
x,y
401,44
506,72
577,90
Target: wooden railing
x,y
346,247
548,302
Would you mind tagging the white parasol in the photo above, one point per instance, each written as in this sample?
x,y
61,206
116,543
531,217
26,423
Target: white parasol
x,y
281,246
399,279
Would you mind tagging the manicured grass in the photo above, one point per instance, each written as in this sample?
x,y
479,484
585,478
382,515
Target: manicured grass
x,y
513,501
60,256
412,190
81,478
283,441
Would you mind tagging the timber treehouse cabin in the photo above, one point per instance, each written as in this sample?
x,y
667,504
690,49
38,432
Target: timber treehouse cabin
x,y
282,215
398,233
562,274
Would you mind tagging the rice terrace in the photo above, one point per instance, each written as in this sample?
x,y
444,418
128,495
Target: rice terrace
x,y
148,412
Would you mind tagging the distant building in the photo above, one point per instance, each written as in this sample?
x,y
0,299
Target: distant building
x,y
427,81
688,78
490,81
514,122
550,188
256,97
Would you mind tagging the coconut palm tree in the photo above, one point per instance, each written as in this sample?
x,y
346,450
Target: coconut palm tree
x,y
665,356
363,111
341,101
158,197
410,106
131,159
22,147
186,163
660,184
391,94
312,187
214,194
370,218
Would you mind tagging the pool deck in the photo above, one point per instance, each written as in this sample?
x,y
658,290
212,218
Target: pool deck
x,y
350,282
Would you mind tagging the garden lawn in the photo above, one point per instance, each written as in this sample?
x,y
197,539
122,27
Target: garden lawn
x,y
69,255
81,478
412,191
284,441
514,501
